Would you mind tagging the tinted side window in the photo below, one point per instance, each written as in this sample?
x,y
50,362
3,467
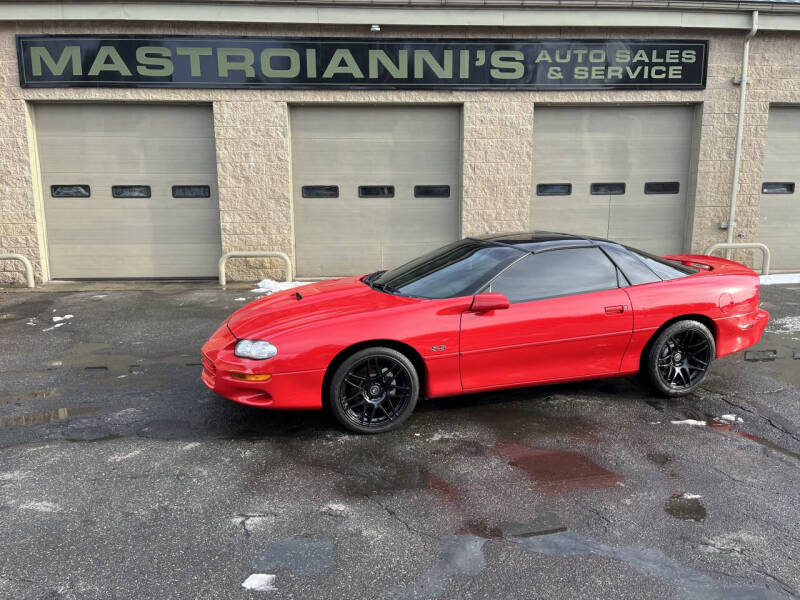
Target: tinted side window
x,y
634,270
557,273
666,269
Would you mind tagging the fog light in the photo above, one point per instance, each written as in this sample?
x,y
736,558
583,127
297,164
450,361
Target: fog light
x,y
251,377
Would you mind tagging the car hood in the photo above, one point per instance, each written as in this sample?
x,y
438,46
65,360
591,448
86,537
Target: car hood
x,y
321,301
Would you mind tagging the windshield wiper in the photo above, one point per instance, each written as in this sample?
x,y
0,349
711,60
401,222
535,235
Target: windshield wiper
x,y
370,279
384,288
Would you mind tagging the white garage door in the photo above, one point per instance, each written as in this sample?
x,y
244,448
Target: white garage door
x,y
613,172
779,214
129,191
372,186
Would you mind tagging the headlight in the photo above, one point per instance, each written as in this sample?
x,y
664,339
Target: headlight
x,y
255,349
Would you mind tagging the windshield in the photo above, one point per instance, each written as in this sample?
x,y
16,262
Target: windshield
x,y
458,269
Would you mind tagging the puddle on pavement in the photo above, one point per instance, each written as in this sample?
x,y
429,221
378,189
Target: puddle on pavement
x,y
659,459
308,556
40,394
460,555
723,425
559,470
545,522
481,529
397,478
770,445
685,508
516,413
691,582
47,416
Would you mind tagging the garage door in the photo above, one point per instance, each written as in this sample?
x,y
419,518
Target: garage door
x,y
779,215
614,172
373,186
129,191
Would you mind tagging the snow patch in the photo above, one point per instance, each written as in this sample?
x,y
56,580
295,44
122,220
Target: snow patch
x,y
445,435
269,286
190,445
121,457
64,318
691,496
780,278
732,418
41,506
691,422
56,326
239,299
260,582
784,325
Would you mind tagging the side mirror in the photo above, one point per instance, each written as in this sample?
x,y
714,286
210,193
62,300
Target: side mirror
x,y
489,301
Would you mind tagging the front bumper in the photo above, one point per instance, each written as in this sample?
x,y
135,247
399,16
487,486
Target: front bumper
x,y
296,390
738,332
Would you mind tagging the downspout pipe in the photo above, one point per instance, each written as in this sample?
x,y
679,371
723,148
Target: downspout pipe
x,y
737,157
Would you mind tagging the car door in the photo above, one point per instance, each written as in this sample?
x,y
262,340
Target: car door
x,y
568,318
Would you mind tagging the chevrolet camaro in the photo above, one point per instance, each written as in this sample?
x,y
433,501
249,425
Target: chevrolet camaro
x,y
487,313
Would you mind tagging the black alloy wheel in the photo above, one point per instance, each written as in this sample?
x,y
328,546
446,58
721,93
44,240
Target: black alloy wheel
x,y
680,357
374,390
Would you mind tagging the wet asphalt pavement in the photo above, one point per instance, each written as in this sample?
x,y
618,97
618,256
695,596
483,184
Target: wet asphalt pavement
x,y
122,476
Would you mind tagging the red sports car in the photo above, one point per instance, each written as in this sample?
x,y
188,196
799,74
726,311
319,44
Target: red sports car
x,y
482,314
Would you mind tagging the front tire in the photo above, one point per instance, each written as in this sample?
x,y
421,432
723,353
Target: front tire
x,y
374,390
680,357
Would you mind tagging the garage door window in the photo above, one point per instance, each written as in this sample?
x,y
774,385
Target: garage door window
x,y
376,191
554,189
431,191
70,191
777,187
320,191
662,187
607,189
130,191
191,191
557,273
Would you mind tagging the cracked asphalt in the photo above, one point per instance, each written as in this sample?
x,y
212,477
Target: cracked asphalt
x,y
122,476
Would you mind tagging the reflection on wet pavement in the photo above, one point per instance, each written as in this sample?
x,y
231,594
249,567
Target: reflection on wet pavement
x,y
460,555
692,583
47,416
302,555
559,470
686,507
770,445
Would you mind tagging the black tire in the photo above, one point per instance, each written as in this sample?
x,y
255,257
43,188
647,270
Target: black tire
x,y
374,390
680,357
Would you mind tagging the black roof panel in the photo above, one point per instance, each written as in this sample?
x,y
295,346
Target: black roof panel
x,y
534,241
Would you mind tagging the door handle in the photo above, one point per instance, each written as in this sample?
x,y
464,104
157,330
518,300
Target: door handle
x,y
616,309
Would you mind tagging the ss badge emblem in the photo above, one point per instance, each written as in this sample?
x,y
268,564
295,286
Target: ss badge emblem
x,y
438,348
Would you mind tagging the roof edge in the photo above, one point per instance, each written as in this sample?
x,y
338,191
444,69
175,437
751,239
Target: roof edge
x,y
608,14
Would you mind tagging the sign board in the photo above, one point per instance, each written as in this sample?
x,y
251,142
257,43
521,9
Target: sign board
x,y
359,63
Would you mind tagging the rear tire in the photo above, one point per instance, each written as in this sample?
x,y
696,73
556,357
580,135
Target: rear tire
x,y
680,357
375,390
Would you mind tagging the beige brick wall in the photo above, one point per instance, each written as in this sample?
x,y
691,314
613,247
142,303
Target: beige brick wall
x,y
252,136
